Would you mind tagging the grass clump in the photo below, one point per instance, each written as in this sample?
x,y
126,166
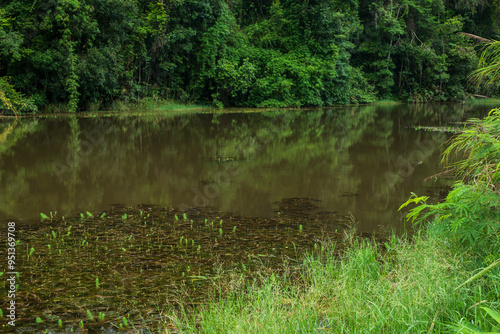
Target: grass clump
x,y
367,289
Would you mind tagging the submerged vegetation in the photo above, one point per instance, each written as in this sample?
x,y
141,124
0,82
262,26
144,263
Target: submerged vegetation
x,y
92,270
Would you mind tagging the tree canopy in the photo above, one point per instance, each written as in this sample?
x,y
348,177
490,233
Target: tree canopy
x,y
253,53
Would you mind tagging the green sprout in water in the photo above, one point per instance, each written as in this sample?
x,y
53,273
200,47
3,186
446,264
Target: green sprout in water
x,y
199,248
104,214
220,222
124,217
1,314
89,314
53,234
97,282
101,316
81,324
48,246
39,321
184,216
32,250
59,324
234,229
300,227
82,216
220,231
89,215
125,322
176,218
43,216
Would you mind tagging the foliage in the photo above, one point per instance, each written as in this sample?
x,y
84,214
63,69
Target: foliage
x,y
242,53
406,287
470,214
13,101
488,72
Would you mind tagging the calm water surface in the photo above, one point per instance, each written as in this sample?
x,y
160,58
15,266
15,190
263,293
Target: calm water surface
x,y
362,160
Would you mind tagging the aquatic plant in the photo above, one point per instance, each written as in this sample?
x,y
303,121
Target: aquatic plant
x,y
101,316
89,314
234,229
103,215
220,231
39,320
184,216
89,214
1,314
125,322
97,282
176,218
300,227
124,216
60,324
43,216
32,250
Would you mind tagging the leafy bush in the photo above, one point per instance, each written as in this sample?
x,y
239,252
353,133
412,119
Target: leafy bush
x,y
470,215
12,100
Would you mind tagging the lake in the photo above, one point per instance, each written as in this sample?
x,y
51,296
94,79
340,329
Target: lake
x,y
359,160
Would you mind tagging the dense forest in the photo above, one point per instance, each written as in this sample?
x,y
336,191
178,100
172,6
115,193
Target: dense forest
x,y
247,53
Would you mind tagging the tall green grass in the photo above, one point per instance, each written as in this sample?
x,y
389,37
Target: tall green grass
x,y
402,287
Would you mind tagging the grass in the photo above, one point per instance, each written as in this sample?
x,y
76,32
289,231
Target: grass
x,y
143,105
401,287
155,104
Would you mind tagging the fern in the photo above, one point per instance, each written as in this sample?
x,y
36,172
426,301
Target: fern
x,y
470,215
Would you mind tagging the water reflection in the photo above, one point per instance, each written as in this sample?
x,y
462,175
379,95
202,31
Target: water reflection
x,y
363,160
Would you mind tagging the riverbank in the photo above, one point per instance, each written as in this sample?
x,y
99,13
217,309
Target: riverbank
x,y
402,286
171,107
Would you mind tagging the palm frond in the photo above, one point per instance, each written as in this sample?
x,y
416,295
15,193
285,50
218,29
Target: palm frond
x,y
488,72
476,37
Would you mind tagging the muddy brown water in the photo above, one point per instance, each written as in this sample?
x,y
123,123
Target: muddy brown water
x,y
362,160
